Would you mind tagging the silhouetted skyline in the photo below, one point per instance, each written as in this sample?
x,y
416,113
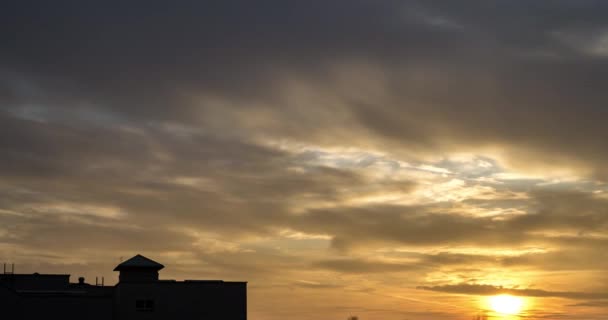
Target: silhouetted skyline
x,y
385,159
139,294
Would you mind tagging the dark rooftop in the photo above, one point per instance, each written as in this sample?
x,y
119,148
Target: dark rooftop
x,y
139,262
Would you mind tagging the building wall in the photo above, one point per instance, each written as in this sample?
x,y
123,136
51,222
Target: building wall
x,y
26,297
63,308
138,276
49,297
35,281
182,300
7,298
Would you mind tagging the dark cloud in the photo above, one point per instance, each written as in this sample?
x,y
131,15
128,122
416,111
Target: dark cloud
x,y
448,259
598,304
487,290
315,285
411,225
579,214
362,266
470,75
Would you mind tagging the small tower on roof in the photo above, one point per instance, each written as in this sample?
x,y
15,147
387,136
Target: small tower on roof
x,y
138,269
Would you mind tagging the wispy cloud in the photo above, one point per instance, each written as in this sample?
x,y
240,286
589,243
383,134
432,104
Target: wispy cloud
x,y
486,290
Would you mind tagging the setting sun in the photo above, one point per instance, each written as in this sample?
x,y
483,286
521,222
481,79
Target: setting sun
x,y
506,304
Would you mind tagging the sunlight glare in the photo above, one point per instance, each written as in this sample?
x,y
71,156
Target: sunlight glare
x,y
506,304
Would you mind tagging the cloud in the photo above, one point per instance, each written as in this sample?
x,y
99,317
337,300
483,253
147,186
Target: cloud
x,y
487,290
361,266
383,80
556,217
314,285
599,304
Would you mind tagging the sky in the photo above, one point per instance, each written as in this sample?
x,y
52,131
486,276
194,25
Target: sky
x,y
400,160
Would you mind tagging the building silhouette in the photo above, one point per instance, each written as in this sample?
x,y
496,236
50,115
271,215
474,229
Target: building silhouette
x,y
139,294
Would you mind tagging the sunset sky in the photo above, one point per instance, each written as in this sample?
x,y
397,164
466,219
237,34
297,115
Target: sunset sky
x,y
394,160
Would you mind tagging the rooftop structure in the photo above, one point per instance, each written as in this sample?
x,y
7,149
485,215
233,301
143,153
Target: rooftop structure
x,y
139,294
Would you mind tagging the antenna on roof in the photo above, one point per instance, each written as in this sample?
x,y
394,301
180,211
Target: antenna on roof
x,y
12,269
98,283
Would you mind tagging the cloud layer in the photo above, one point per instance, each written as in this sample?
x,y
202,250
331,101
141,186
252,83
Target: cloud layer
x,y
342,153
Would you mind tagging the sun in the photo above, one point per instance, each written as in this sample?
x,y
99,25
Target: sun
x,y
506,304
